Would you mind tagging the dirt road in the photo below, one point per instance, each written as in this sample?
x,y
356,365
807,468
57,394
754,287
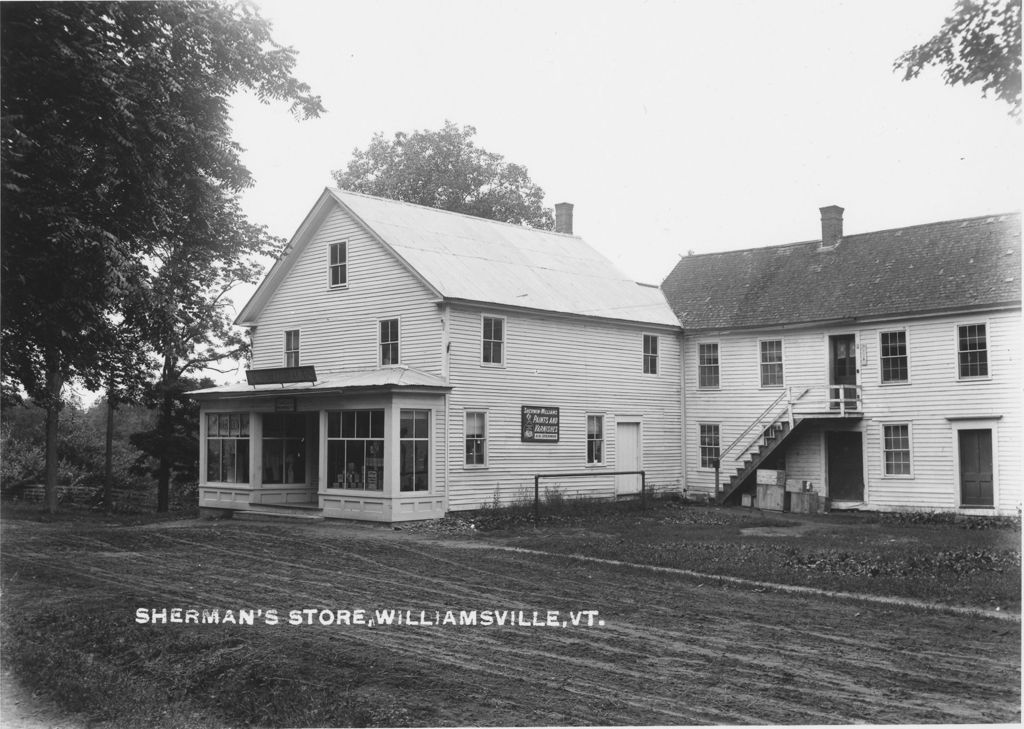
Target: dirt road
x,y
671,650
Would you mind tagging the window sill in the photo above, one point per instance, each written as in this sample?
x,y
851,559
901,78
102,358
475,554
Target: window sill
x,y
985,378
337,288
898,477
596,465
475,466
904,383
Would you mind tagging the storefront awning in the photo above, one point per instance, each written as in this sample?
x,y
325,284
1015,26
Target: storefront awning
x,y
381,378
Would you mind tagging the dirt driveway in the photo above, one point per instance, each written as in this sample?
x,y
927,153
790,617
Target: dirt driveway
x,y
671,651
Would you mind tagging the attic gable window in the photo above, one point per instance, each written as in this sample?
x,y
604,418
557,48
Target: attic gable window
x,y
338,265
291,348
972,351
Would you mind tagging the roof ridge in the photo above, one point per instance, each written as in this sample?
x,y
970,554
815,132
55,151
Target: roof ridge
x,y
449,212
796,244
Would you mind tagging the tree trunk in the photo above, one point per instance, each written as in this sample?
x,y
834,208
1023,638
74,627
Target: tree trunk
x,y
166,427
108,458
54,385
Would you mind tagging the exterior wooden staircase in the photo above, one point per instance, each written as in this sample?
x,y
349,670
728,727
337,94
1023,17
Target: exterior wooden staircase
x,y
772,439
770,430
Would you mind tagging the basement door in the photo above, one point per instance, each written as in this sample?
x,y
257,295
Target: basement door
x,y
845,466
976,468
627,457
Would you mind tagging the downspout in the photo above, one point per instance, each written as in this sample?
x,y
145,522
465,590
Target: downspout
x,y
446,375
682,408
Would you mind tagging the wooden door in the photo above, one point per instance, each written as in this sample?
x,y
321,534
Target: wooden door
x,y
845,466
843,351
976,468
627,457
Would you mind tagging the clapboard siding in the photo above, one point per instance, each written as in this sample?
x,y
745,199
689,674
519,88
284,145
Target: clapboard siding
x,y
932,403
339,327
580,366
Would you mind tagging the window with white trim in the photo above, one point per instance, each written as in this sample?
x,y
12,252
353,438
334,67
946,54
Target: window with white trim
x,y
707,365
493,347
355,450
337,267
388,342
291,348
896,449
476,438
771,363
710,439
972,351
893,358
595,439
650,354
414,450
227,447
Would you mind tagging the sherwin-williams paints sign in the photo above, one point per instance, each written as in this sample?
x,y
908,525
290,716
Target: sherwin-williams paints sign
x,y
540,425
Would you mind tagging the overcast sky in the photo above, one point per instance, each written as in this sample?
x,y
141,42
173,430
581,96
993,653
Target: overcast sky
x,y
671,125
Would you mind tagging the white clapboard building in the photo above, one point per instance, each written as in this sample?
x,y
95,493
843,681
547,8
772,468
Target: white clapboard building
x,y
408,361
882,368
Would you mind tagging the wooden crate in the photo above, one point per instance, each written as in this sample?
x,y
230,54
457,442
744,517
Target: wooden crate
x,y
766,476
805,502
772,497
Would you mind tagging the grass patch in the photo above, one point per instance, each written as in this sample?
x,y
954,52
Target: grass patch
x,y
938,559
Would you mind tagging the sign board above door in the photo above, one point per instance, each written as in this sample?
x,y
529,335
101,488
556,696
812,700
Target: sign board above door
x,y
280,375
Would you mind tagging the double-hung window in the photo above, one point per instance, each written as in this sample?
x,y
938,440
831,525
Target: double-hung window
x,y
707,365
476,439
493,348
710,439
771,363
650,354
595,439
972,351
337,267
389,342
291,348
893,357
896,449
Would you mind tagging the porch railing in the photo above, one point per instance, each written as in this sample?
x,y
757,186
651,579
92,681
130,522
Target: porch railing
x,y
844,398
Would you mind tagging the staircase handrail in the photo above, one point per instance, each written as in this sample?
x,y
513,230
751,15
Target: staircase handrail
x,y
787,395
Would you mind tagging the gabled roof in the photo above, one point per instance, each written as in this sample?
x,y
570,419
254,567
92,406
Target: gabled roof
x,y
378,378
974,263
464,258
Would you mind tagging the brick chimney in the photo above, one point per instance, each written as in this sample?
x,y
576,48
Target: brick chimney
x,y
563,218
831,226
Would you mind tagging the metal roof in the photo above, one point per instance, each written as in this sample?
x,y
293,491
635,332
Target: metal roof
x,y
381,377
474,259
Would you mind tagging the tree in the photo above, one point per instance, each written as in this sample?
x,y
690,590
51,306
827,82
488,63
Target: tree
x,y
186,318
979,43
114,118
445,169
